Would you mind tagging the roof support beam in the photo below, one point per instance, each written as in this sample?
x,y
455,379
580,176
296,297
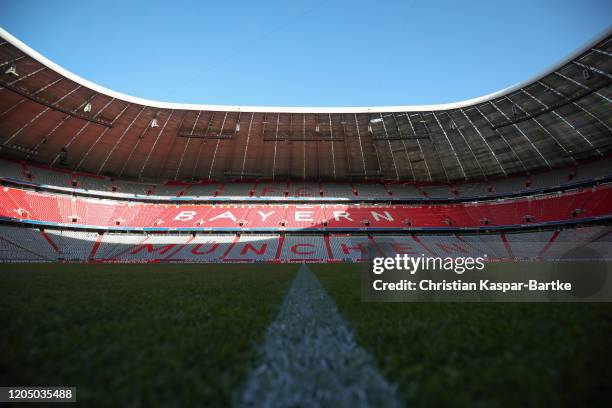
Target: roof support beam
x,y
91,147
275,145
202,142
178,168
601,52
548,132
397,177
503,138
404,145
458,129
119,140
567,101
25,100
574,102
420,149
53,105
21,78
15,134
140,138
304,146
83,127
485,141
450,145
164,163
563,120
212,162
331,137
161,131
605,98
523,134
246,148
12,60
596,70
433,147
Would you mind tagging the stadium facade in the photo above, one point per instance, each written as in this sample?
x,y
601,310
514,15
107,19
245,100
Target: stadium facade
x,y
90,174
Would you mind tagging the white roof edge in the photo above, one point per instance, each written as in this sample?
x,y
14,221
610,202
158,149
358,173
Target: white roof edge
x,y
287,109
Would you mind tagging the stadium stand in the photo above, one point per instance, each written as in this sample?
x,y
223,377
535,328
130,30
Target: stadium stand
x,y
594,170
73,245
203,190
467,190
22,244
553,178
25,244
306,248
590,172
241,190
90,183
508,175
434,191
253,248
42,175
405,191
371,190
352,248
45,207
169,190
268,189
11,169
338,190
299,189
132,188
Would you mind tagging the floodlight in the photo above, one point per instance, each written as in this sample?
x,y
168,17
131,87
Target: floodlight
x,y
586,74
12,70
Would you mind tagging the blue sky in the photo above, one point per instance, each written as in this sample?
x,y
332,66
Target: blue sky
x,y
314,53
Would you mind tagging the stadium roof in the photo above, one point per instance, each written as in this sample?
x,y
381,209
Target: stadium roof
x,y
52,116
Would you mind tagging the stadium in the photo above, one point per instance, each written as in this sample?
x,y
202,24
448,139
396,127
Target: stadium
x,y
270,197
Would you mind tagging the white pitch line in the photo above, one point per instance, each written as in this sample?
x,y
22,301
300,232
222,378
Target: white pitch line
x,y
310,358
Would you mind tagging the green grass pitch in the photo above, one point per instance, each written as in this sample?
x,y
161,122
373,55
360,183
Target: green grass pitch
x,y
482,354
136,334
186,335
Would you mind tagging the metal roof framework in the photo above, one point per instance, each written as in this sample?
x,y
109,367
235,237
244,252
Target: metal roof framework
x,y
52,116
